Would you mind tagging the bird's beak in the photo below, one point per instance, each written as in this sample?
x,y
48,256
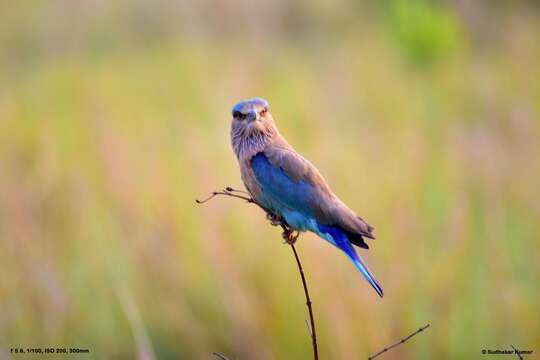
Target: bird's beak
x,y
252,115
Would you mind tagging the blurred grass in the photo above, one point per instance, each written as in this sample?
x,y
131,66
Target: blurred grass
x,y
103,149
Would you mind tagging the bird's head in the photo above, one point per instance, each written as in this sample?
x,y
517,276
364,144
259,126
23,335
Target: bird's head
x,y
251,116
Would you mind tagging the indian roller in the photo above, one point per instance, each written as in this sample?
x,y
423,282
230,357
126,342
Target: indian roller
x,y
290,187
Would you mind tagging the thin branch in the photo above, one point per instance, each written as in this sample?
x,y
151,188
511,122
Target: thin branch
x,y
308,327
222,357
308,304
517,352
399,342
228,188
229,191
224,192
290,237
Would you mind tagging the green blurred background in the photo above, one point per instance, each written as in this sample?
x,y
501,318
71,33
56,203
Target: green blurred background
x,y
114,117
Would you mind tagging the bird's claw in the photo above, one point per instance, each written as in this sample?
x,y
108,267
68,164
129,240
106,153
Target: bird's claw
x,y
275,220
290,236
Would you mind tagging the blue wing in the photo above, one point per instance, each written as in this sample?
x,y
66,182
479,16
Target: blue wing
x,y
279,192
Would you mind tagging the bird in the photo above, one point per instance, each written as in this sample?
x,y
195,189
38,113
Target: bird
x,y
290,188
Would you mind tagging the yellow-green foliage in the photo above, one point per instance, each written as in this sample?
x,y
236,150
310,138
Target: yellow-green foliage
x,y
104,148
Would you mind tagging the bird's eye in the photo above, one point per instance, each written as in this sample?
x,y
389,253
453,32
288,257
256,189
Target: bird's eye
x,y
263,111
239,115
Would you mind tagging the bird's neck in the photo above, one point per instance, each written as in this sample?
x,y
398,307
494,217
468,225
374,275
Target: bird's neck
x,y
247,145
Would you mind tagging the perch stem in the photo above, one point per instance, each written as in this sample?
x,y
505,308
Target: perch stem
x,y
311,329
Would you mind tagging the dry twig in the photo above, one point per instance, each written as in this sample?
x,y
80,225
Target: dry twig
x,y
221,356
517,352
399,342
311,328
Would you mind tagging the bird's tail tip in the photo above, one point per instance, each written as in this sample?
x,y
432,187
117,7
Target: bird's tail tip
x,y
367,275
338,238
377,288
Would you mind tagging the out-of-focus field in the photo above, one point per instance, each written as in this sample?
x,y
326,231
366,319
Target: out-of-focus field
x,y
423,116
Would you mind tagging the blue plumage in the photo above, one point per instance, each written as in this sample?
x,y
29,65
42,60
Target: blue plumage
x,y
279,191
293,201
246,105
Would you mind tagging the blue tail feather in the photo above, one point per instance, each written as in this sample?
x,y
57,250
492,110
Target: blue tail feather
x,y
341,241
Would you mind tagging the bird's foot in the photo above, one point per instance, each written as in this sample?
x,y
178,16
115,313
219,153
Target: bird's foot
x,y
290,236
275,220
